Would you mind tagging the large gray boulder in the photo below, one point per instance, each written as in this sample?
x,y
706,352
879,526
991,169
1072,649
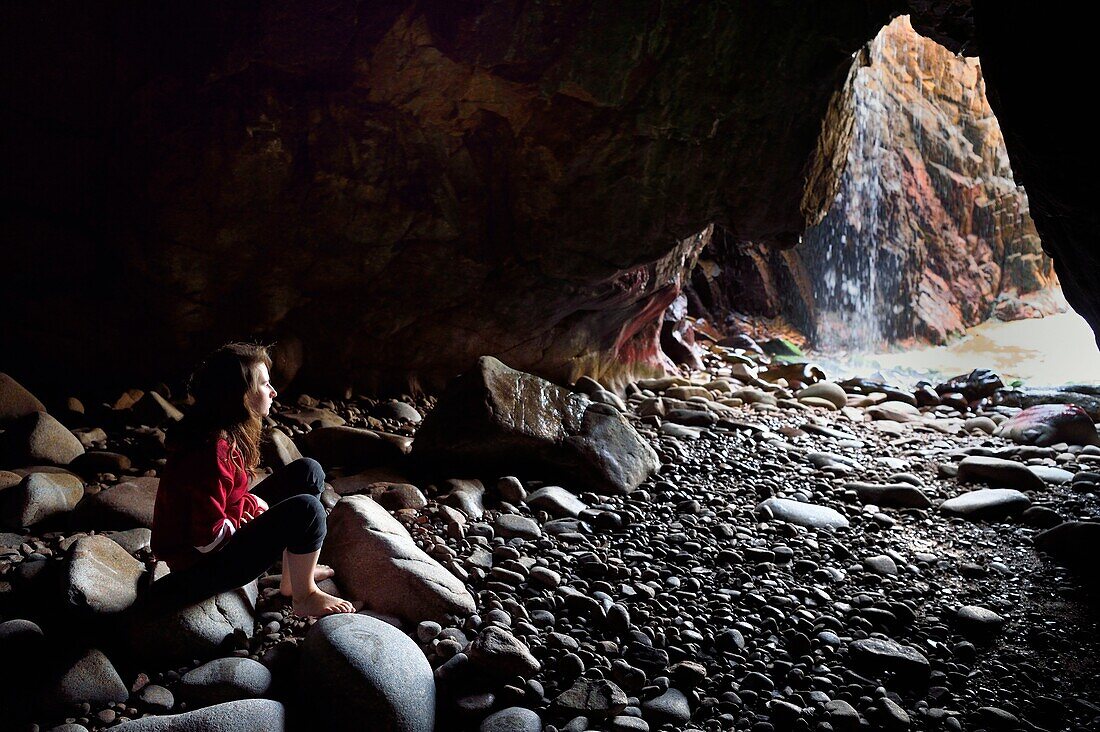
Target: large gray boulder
x,y
247,715
195,631
39,438
999,473
986,504
223,680
497,420
39,496
803,514
16,401
379,567
359,672
100,576
351,447
91,678
126,505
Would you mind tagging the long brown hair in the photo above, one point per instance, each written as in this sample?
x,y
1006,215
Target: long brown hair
x,y
219,386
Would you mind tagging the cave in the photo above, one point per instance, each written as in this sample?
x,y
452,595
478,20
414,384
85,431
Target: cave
x,y
528,275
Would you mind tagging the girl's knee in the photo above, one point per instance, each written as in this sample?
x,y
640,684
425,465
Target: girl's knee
x,y
309,473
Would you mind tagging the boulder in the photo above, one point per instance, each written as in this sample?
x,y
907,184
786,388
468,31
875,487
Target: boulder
x,y
878,654
890,495
91,678
153,409
999,472
357,670
466,495
827,390
132,540
100,576
16,401
512,719
494,419
126,505
556,501
278,449
246,715
497,654
351,447
399,411
1073,544
1049,424
24,654
39,496
39,438
223,680
378,566
802,514
195,631
986,503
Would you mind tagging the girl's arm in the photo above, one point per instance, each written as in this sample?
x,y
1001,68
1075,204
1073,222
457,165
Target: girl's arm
x,y
210,525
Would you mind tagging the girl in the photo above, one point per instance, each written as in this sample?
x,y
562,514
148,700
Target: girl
x,y
213,533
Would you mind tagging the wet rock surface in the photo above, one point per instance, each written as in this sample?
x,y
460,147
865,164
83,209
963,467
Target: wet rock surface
x,y
787,566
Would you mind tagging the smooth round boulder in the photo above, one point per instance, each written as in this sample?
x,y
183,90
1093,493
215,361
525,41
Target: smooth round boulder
x,y
247,715
99,576
224,680
195,631
986,504
39,438
827,390
512,719
355,668
801,514
39,496
91,678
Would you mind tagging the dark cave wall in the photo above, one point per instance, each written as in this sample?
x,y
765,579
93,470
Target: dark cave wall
x,y
397,187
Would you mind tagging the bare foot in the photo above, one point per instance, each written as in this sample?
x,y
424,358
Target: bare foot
x,y
320,603
322,572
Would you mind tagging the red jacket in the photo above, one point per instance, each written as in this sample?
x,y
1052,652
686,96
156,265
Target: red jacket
x,y
202,494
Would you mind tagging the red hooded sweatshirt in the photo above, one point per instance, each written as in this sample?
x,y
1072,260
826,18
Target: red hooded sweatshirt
x,y
202,494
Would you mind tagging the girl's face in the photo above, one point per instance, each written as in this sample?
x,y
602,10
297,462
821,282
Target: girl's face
x,y
260,401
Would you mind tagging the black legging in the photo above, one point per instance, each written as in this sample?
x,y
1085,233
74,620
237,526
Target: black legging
x,y
295,522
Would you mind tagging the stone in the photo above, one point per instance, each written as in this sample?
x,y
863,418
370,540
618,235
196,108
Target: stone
x,y
1049,424
512,719
311,417
556,501
25,656
670,707
881,564
156,698
890,495
246,715
278,450
400,411
223,680
977,623
877,654
494,418
195,631
802,514
842,716
827,390
1047,474
496,653
510,525
16,401
511,490
93,462
91,678
894,411
351,447
598,698
39,496
998,472
467,496
356,668
982,424
1073,544
125,505
986,503
99,576
378,566
399,496
39,438
153,409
